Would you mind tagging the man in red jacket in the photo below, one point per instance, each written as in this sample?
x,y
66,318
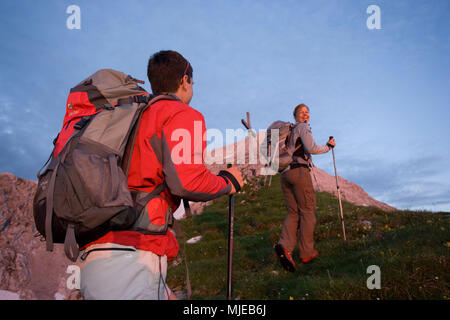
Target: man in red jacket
x,y
168,154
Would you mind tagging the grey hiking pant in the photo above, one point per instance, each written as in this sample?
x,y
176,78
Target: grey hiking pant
x,y
301,204
118,274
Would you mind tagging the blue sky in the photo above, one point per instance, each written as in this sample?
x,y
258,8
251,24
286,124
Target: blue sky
x,y
383,94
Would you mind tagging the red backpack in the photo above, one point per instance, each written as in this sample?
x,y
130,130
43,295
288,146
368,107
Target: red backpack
x,y
83,193
87,99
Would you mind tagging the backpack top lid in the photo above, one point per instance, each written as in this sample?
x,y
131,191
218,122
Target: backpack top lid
x,y
102,89
279,124
107,86
284,130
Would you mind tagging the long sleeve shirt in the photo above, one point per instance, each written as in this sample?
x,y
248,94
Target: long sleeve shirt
x,y
301,135
169,148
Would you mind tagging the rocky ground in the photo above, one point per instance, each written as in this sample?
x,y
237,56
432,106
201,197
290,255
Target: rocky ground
x,y
26,268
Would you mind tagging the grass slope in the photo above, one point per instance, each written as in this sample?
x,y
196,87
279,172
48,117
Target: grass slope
x,y
411,249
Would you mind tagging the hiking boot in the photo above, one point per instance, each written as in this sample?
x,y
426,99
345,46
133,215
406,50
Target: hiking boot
x,y
285,258
306,260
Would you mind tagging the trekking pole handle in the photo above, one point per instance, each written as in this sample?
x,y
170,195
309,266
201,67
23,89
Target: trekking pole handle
x,y
331,137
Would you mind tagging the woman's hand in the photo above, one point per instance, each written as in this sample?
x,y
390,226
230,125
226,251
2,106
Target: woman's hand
x,y
331,143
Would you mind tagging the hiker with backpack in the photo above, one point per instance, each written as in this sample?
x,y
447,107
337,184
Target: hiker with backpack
x,y
299,193
115,178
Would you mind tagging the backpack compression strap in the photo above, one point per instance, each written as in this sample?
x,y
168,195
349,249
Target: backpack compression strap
x,y
49,210
70,243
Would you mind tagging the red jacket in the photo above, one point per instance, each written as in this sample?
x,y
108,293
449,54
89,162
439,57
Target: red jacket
x,y
169,148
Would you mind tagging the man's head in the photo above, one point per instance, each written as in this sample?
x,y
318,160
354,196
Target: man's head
x,y
169,72
301,113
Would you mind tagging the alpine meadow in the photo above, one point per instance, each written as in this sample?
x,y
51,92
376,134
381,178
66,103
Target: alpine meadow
x,y
411,249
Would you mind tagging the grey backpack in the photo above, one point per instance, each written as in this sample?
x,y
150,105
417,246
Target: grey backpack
x,y
82,194
279,152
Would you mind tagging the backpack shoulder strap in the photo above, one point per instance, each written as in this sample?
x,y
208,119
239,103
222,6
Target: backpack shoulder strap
x,y
148,100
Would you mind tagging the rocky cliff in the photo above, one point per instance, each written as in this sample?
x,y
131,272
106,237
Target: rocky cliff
x,y
350,191
239,154
27,270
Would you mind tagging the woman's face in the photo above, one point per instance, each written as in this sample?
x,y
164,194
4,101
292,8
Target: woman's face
x,y
302,115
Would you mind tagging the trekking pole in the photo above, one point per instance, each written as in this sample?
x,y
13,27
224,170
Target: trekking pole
x,y
230,243
338,192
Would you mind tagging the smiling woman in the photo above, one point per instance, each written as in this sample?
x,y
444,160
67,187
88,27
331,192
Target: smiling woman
x,y
299,193
301,113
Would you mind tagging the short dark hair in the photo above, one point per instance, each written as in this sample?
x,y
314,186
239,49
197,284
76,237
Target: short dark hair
x,y
166,69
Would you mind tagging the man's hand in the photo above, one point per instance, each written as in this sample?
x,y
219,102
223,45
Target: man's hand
x,y
331,143
236,173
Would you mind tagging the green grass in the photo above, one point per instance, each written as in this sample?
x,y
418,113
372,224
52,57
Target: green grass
x,y
410,247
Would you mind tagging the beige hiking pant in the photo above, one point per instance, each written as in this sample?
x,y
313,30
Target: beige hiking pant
x,y
301,204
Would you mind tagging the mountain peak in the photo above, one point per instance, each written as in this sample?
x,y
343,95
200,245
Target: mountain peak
x,y
322,181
